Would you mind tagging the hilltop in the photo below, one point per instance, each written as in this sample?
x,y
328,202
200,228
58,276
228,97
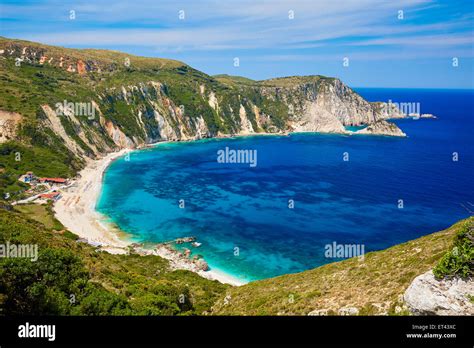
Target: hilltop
x,y
101,57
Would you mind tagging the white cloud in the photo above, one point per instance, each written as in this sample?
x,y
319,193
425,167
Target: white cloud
x,y
421,40
239,25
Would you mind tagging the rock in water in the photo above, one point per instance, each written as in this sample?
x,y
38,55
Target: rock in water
x,y
202,265
428,296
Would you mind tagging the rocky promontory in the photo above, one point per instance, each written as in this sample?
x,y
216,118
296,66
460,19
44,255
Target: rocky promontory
x,y
382,127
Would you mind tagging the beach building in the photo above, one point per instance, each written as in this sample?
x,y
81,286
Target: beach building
x,y
53,180
54,196
28,178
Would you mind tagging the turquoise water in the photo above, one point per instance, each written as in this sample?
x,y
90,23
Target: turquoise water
x,y
234,205
354,128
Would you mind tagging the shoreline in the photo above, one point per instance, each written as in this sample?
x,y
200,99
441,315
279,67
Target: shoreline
x,y
76,211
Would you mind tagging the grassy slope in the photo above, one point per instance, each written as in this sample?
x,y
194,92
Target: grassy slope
x,y
137,285
108,56
234,80
378,280
41,213
288,81
23,90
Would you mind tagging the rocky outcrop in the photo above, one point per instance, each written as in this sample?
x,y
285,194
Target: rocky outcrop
x,y
382,127
317,119
245,125
327,105
428,296
9,122
387,111
319,312
81,67
348,311
36,54
113,131
427,116
202,265
54,122
154,114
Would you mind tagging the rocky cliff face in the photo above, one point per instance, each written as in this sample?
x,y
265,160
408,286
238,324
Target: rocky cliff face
x,y
328,105
150,100
25,54
8,125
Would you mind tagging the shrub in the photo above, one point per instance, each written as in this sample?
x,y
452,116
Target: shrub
x,y
459,261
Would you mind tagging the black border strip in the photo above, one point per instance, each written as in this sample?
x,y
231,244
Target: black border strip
x,y
221,330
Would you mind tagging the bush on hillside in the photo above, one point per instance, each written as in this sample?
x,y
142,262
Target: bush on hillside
x,y
459,261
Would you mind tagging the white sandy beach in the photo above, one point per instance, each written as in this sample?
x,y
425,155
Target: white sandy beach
x,y
76,208
76,211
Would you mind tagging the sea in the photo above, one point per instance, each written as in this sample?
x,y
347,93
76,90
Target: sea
x,y
305,194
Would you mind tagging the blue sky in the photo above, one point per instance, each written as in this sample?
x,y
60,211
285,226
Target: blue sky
x,y
383,50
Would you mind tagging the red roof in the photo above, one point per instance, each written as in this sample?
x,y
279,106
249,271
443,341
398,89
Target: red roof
x,y
58,180
49,195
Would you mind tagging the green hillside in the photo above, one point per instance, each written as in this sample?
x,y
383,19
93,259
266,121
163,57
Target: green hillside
x,y
71,278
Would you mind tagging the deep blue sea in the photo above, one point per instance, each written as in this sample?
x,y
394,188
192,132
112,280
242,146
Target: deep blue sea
x,y
229,206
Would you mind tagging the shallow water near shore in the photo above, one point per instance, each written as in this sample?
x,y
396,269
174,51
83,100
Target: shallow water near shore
x,y
240,213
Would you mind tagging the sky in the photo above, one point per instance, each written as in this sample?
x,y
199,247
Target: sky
x,y
366,43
